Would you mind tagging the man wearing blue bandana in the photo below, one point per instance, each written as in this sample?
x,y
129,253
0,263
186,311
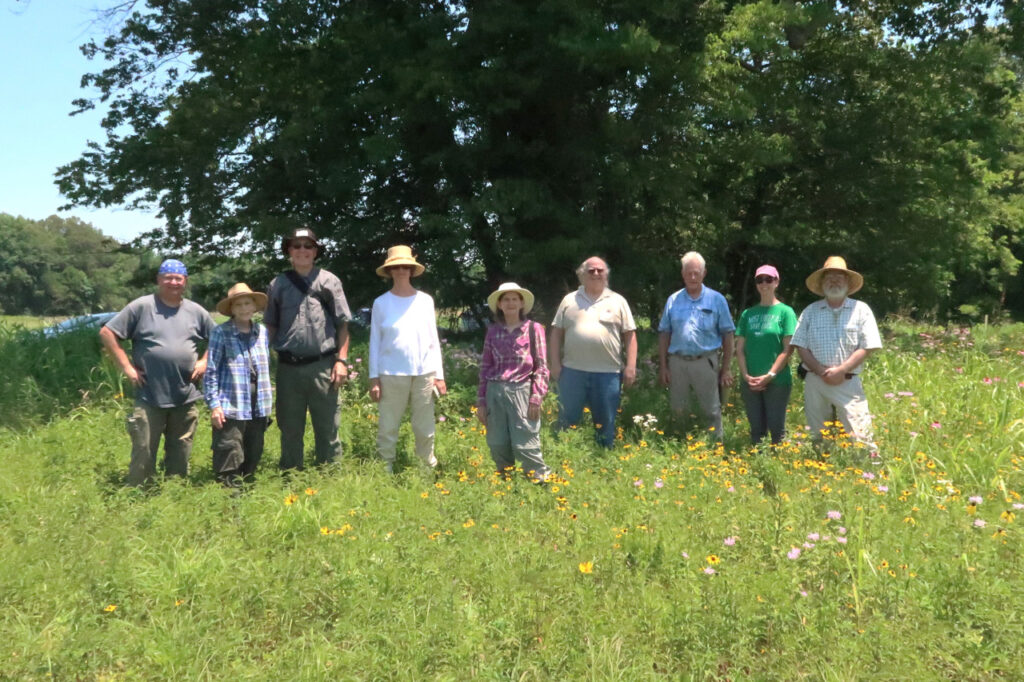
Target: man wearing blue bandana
x,y
165,330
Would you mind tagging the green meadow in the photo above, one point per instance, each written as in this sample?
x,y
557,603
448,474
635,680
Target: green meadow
x,y
666,558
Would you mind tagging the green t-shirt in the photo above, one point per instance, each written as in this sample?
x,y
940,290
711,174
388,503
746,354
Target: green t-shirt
x,y
764,327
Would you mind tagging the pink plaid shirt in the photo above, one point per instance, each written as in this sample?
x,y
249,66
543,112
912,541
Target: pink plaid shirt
x,y
507,357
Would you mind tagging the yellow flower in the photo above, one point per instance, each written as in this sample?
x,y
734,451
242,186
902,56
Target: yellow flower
x,y
291,499
712,559
587,567
311,491
179,602
424,494
110,608
324,530
1007,516
469,523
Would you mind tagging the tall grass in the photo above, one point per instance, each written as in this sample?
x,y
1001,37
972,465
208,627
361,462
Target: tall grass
x,y
665,558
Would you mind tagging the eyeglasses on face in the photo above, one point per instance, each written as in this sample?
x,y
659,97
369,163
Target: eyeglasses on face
x,y
302,245
764,279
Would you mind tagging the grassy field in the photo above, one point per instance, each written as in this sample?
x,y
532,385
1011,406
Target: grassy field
x,y
665,558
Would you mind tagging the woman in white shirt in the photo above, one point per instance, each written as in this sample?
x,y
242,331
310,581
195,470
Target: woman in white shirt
x,y
405,358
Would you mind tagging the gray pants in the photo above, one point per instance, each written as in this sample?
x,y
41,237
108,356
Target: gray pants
x,y
701,375
510,435
145,426
766,411
301,388
238,447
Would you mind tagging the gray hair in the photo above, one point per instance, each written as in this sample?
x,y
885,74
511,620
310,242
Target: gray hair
x,y
693,257
582,269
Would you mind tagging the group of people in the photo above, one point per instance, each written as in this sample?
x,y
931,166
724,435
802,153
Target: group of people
x,y
591,354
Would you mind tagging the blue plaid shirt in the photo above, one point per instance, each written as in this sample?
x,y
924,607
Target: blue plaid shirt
x,y
227,382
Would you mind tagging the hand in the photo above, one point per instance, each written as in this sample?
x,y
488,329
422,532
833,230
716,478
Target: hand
x,y
217,418
663,376
199,370
833,376
629,376
339,374
375,390
556,371
442,388
725,378
756,383
533,412
137,377
481,414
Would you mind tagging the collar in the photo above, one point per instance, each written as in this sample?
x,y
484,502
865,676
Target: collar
x,y
847,303
254,329
583,292
686,293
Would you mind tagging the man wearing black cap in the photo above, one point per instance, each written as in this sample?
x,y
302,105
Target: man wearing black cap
x,y
165,329
307,323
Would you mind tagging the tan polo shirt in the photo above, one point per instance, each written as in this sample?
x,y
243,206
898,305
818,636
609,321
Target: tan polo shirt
x,y
593,330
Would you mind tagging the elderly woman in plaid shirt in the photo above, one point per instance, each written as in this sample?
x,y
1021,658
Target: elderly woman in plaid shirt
x,y
513,381
237,386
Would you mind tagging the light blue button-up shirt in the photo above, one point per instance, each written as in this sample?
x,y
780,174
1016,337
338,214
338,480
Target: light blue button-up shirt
x,y
696,325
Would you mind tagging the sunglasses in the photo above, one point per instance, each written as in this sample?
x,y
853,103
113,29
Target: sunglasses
x,y
764,279
302,245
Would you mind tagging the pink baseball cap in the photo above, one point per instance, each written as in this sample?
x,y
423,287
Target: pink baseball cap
x,y
767,270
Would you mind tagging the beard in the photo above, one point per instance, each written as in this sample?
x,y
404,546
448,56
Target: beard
x,y
836,292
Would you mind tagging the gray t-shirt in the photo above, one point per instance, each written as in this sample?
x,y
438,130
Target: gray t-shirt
x,y
306,326
165,346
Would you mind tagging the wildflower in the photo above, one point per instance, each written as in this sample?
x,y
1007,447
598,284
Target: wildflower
x,y
1007,516
979,523
793,554
936,425
324,530
709,571
974,499
110,608
1018,505
730,541
868,476
179,602
684,555
638,483
808,545
842,530
658,483
586,567
803,593
713,560
834,515
311,491
425,494
469,523
841,539
905,394
291,499
883,489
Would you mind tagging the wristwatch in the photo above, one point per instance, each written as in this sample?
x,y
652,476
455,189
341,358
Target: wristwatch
x,y
771,374
342,361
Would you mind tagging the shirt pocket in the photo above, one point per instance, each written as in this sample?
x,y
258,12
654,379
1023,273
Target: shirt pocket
x,y
608,317
521,347
851,335
704,319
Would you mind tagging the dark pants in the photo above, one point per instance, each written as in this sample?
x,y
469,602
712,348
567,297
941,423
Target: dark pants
x,y
301,388
238,448
766,411
145,426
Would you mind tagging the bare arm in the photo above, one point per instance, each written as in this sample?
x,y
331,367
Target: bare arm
x,y
663,340
555,341
339,372
629,373
112,343
725,372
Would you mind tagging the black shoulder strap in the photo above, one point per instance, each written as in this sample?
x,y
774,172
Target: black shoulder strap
x,y
300,282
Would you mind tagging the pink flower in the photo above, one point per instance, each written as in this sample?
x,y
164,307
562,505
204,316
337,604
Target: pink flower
x,y
442,418
890,395
883,488
834,515
708,570
986,380
841,539
684,555
638,483
842,530
793,554
905,394
658,483
975,499
813,536
730,541
1018,505
936,425
808,545
868,476
979,523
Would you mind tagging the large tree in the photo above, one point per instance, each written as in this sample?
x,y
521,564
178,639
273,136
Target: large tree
x,y
514,138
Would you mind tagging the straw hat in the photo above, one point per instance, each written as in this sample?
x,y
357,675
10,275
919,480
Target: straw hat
x,y
237,291
834,263
401,255
492,300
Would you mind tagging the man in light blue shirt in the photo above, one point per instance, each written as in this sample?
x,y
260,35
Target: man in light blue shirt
x,y
695,324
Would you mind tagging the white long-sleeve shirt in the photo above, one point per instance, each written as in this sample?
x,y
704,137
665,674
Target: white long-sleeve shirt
x,y
403,337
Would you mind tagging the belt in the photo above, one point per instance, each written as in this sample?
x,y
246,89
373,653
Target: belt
x,y
292,359
696,357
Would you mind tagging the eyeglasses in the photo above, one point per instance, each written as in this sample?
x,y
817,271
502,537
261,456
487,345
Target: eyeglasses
x,y
595,271
764,279
302,245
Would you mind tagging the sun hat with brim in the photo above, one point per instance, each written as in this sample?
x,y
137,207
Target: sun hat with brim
x,y
299,233
237,291
834,263
492,300
401,255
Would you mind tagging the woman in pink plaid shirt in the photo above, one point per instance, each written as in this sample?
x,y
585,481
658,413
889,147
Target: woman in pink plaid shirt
x,y
513,381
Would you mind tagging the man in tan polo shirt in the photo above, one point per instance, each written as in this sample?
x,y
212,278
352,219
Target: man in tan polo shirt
x,y
592,351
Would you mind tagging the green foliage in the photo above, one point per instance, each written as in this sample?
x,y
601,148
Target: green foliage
x,y
346,572
512,139
61,266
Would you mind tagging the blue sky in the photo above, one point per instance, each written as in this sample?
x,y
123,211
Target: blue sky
x,y
40,75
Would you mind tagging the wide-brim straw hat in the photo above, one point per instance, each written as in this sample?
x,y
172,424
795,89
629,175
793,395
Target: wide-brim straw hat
x,y
834,263
237,291
401,255
492,300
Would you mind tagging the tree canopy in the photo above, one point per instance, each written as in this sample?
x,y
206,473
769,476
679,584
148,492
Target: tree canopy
x,y
511,139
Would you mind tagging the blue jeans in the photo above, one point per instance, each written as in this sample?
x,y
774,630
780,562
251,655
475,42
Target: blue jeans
x,y
600,391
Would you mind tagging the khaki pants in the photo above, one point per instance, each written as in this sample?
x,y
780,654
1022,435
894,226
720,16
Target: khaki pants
x,y
145,426
700,375
851,407
511,435
397,392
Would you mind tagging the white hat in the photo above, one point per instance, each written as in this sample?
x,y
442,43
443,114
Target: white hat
x,y
492,300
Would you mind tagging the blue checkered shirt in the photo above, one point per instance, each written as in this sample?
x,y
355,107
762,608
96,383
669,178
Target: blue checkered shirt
x,y
229,363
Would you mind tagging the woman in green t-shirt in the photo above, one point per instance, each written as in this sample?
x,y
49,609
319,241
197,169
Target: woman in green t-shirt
x,y
762,350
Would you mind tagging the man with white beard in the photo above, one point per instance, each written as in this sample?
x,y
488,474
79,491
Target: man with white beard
x,y
834,336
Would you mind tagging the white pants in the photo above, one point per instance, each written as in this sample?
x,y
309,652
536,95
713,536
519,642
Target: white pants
x,y
396,392
851,407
